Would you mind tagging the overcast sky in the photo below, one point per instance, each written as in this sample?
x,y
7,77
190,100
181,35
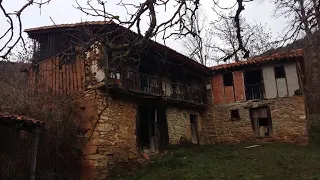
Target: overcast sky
x,y
63,11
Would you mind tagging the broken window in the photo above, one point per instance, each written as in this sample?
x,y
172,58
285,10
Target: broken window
x,y
235,114
279,72
228,79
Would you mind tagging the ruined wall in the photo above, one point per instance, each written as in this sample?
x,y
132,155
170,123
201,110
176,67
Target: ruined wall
x,y
287,114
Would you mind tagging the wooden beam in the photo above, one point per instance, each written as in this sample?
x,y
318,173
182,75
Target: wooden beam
x,y
33,156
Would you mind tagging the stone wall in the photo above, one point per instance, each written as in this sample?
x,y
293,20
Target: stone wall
x,y
287,114
177,124
111,133
179,128
109,125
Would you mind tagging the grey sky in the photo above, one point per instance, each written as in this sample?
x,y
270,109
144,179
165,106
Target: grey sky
x,y
62,11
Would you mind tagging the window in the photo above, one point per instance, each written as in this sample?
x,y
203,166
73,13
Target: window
x,y
254,84
279,72
228,79
235,114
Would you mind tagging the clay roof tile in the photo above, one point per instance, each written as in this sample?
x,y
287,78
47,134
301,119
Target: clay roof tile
x,y
258,60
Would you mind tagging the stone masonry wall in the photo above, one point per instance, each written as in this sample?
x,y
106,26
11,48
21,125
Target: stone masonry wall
x,y
287,114
177,124
111,130
109,124
178,120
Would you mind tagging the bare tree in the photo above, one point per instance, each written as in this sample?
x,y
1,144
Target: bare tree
x,y
256,38
217,40
303,17
8,37
235,19
199,46
138,11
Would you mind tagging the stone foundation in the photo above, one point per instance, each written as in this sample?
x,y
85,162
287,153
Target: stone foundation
x,y
287,114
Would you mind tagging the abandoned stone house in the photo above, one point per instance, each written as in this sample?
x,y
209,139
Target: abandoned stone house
x,y
145,104
259,98
165,97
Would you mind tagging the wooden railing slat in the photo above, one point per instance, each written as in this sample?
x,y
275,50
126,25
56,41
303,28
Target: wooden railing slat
x,y
148,84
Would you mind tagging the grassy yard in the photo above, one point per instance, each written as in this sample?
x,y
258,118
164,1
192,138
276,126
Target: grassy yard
x,y
269,161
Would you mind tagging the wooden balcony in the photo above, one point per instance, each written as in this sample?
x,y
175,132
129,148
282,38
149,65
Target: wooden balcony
x,y
145,84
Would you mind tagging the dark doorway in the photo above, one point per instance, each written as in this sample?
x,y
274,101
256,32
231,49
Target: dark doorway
x,y
146,120
194,128
261,121
152,128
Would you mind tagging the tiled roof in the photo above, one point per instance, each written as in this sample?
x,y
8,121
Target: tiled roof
x,y
69,25
11,118
182,57
264,59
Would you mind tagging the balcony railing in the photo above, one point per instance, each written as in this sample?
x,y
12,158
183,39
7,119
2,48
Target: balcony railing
x,y
151,85
254,91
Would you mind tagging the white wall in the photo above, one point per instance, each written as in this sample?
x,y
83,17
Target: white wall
x,y
292,78
269,82
280,87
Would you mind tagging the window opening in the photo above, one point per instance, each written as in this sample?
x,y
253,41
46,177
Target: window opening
x,y
279,72
228,79
235,114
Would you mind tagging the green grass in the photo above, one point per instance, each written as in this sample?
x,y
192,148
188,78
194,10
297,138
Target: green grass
x,y
269,161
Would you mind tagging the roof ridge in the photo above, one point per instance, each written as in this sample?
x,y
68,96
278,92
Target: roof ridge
x,y
66,25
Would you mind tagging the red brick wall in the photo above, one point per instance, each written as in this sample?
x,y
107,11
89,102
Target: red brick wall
x,y
238,85
217,89
229,94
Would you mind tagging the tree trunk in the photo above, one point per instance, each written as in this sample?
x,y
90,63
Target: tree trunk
x,y
312,86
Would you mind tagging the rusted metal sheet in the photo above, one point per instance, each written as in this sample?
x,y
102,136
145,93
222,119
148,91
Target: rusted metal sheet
x,y
51,77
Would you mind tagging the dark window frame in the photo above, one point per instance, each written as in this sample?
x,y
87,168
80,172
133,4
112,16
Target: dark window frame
x,y
279,72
